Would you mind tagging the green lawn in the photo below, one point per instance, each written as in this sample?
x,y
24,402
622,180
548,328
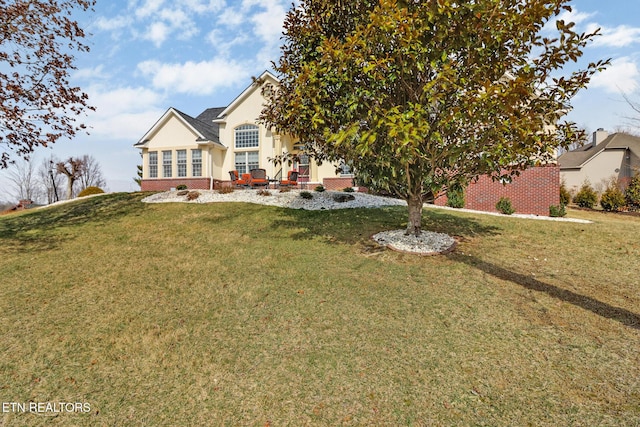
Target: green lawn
x,y
238,314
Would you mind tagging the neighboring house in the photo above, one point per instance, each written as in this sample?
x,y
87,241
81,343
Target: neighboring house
x,y
200,151
607,156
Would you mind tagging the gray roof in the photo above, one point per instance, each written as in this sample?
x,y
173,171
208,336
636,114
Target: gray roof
x,y
210,131
575,159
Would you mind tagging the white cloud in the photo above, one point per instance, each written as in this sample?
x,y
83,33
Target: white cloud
x,y
123,113
157,33
619,36
149,8
268,24
196,78
116,23
622,75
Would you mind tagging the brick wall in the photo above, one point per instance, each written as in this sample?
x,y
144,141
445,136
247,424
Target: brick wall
x,y
531,193
168,184
337,183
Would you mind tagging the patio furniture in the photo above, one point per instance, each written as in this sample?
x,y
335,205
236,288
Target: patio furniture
x,y
258,178
292,179
235,180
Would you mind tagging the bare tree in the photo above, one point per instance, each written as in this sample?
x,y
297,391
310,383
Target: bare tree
x,y
91,173
22,175
72,169
38,104
635,106
50,180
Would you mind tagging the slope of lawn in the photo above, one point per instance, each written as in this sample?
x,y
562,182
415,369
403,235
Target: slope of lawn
x,y
238,314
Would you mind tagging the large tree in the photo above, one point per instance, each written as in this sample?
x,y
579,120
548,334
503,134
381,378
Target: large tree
x,y
38,105
421,95
73,169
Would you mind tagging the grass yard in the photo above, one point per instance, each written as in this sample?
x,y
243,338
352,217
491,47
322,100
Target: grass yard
x,y
237,314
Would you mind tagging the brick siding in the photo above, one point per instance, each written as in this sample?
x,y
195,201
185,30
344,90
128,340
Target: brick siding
x,y
530,193
168,184
337,183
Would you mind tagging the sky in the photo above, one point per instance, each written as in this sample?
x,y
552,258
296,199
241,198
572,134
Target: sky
x,y
149,55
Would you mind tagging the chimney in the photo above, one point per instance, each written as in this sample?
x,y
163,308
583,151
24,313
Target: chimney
x,y
599,136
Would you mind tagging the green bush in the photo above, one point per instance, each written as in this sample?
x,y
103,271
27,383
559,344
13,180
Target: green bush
x,y
557,211
586,197
504,206
455,197
306,195
181,187
612,199
319,188
632,193
565,196
348,190
90,190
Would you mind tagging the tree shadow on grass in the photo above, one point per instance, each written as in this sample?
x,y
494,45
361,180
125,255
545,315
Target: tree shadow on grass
x,y
351,226
626,317
45,228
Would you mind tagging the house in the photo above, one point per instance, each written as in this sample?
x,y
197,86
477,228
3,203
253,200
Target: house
x,y
200,151
605,157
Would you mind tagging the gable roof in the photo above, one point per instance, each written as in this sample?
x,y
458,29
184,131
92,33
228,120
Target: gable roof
x,y
245,93
206,130
576,159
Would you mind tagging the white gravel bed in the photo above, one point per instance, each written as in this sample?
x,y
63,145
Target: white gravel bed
x,y
427,243
290,199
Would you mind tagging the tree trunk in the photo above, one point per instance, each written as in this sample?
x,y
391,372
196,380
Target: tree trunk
x,y
414,203
70,182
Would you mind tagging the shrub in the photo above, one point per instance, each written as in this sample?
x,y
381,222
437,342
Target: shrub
x,y
565,196
263,192
192,195
319,188
306,195
285,189
89,191
341,198
612,199
181,187
504,206
557,210
348,190
455,197
586,197
632,193
226,190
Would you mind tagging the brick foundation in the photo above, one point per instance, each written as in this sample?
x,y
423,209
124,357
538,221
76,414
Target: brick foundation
x,y
168,184
337,183
530,193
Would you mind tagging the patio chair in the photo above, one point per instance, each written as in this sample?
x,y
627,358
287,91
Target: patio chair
x,y
258,178
235,180
292,179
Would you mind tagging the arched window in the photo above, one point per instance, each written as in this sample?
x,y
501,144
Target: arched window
x,y
246,136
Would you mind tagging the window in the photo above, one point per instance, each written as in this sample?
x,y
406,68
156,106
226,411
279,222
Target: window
x,y
182,163
166,164
246,161
345,170
303,168
246,136
196,162
153,164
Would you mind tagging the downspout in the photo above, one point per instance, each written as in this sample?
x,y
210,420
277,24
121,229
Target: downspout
x,y
210,171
